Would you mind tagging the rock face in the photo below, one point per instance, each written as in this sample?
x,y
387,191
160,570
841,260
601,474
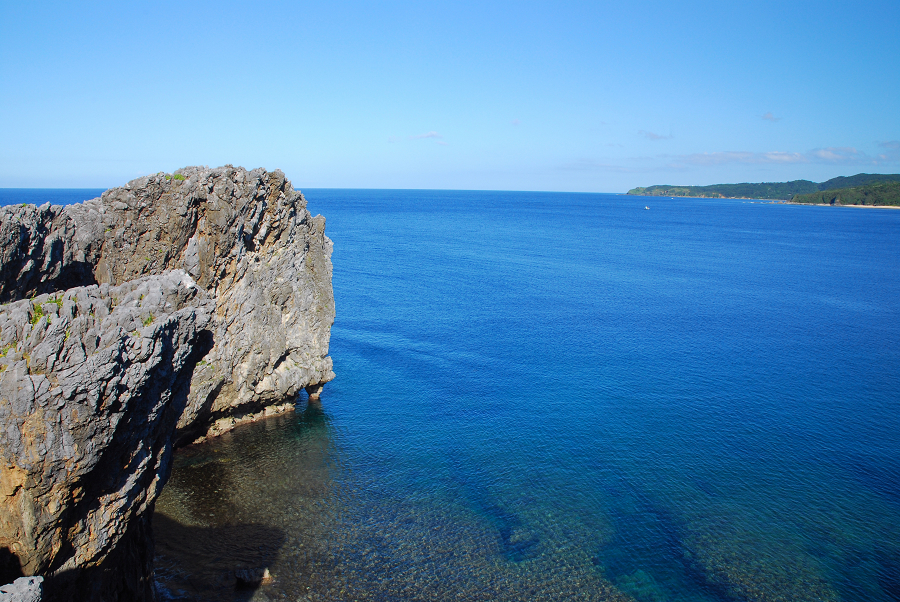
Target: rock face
x,y
150,317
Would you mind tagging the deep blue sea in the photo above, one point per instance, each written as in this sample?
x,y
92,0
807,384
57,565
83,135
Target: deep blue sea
x,y
54,196
552,396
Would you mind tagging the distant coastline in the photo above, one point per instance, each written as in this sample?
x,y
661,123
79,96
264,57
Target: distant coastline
x,y
859,190
842,205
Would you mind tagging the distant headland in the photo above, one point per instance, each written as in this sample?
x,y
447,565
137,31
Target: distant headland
x,y
861,189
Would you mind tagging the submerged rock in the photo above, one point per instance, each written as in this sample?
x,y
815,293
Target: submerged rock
x,y
162,312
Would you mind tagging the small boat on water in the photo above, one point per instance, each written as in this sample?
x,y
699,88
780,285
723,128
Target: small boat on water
x,y
646,207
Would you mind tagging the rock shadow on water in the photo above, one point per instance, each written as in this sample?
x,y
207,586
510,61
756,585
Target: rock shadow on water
x,y
225,562
210,540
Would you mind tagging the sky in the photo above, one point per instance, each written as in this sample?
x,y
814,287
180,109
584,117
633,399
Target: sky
x,y
563,96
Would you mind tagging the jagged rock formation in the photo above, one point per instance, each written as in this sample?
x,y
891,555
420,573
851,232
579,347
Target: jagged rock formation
x,y
154,315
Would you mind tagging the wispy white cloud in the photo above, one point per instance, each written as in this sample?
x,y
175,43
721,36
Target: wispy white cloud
x,y
652,136
688,163
839,155
833,155
426,135
770,117
667,163
515,122
891,151
441,142
723,157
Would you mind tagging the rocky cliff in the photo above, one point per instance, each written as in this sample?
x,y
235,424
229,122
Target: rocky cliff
x,y
158,314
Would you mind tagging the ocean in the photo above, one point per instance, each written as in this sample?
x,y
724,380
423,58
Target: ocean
x,y
54,196
554,396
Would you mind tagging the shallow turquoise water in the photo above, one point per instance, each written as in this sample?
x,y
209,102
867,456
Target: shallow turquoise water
x,y
546,396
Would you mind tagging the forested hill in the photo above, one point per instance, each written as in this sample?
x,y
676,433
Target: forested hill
x,y
881,193
765,190
860,179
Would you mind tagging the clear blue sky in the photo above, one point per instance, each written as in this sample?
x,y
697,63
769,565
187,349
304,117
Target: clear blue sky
x,y
588,96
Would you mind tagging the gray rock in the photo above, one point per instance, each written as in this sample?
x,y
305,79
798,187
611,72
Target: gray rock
x,y
89,400
23,589
135,322
246,237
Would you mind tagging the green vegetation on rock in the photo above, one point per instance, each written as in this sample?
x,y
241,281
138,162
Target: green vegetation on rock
x,y
885,193
860,179
37,312
769,190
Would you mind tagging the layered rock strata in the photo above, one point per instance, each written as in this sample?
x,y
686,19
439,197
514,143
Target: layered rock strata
x,y
157,314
